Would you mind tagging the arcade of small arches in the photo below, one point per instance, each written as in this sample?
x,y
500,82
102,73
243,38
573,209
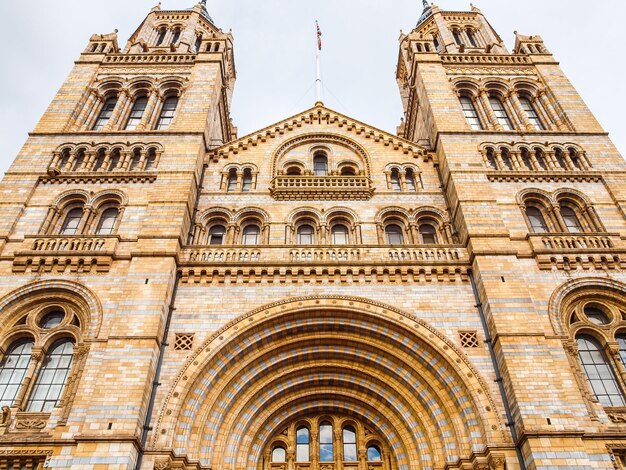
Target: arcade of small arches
x,y
114,105
495,105
534,157
563,211
105,158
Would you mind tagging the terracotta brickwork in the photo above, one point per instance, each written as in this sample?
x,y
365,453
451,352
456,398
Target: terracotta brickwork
x,y
319,294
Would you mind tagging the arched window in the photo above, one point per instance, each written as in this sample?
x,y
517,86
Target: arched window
x,y
573,155
106,225
79,160
469,110
491,159
176,36
326,442
571,220
151,160
457,37
293,170
373,454
536,219
526,159
306,234
167,113
136,113
500,112
560,158
279,455
540,159
161,36
13,369
115,160
105,113
135,160
599,373
410,180
472,37
436,42
99,160
52,377
232,181
428,234
340,234
198,43
349,444
320,164
348,171
395,180
621,341
394,234
51,319
217,234
247,180
251,235
65,158
72,221
532,115
303,443
506,159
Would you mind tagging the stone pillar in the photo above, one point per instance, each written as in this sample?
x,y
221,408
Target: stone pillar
x,y
37,357
231,234
414,233
550,109
324,235
50,217
380,231
88,108
338,448
315,456
514,117
517,105
88,216
122,100
558,219
491,115
93,113
147,114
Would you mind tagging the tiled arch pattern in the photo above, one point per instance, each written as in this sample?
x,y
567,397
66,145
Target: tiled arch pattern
x,y
216,401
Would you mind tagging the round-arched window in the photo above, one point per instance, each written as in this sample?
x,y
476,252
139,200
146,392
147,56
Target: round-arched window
x,y
251,235
217,234
306,234
279,455
52,319
340,234
373,454
394,234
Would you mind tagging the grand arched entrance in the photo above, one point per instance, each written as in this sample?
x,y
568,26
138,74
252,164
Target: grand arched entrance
x,y
338,362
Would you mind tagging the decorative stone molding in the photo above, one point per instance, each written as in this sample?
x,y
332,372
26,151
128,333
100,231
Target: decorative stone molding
x,y
31,422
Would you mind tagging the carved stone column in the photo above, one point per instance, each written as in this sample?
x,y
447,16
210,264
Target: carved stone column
x,y
547,105
497,462
519,110
87,109
338,447
491,115
37,357
231,234
414,233
362,456
323,235
380,232
147,114
122,100
315,456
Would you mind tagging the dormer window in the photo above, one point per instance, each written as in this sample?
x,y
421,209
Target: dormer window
x,y
320,164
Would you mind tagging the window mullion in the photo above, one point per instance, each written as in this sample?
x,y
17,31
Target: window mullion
x,y
33,371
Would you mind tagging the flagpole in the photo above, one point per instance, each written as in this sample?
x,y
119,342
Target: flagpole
x,y
318,66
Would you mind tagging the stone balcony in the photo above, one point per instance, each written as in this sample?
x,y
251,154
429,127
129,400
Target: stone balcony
x,y
59,253
321,188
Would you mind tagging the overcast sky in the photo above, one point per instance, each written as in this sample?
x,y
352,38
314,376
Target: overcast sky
x,y
275,53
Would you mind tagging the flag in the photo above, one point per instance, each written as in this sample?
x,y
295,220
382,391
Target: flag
x,y
319,36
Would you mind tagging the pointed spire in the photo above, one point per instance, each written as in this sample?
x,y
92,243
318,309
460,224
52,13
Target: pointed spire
x,y
425,2
204,11
427,13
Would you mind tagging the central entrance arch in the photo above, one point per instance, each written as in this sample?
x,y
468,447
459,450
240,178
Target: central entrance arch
x,y
336,356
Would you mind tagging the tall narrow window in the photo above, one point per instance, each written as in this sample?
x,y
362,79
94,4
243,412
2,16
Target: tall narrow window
x,y
251,235
395,180
574,158
79,160
151,160
72,221
436,42
428,233
136,113
541,159
115,160
394,234
303,440
216,235
105,113
106,225
571,220
198,43
99,160
326,443
491,159
410,180
469,110
176,36
536,219
457,37
52,377
506,159
305,234
349,444
599,373
500,112
247,180
530,111
279,455
472,37
340,234
526,159
621,341
13,369
232,181
161,36
560,159
135,160
320,165
167,113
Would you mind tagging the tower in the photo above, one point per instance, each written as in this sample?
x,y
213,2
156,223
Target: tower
x,y
319,294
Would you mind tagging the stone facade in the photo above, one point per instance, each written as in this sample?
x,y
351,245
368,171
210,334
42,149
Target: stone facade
x,y
320,294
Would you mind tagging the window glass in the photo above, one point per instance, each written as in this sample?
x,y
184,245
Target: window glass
x,y
533,117
13,369
373,454
161,36
621,340
428,234
106,226
571,220
251,235
537,222
136,113
457,37
105,113
216,235
151,160
596,315
599,373
52,319
395,181
326,443
52,377
279,455
247,181
491,159
320,165
394,234
500,112
472,38
72,221
340,234
167,113
176,36
469,110
302,444
305,235
232,181
349,444
410,181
